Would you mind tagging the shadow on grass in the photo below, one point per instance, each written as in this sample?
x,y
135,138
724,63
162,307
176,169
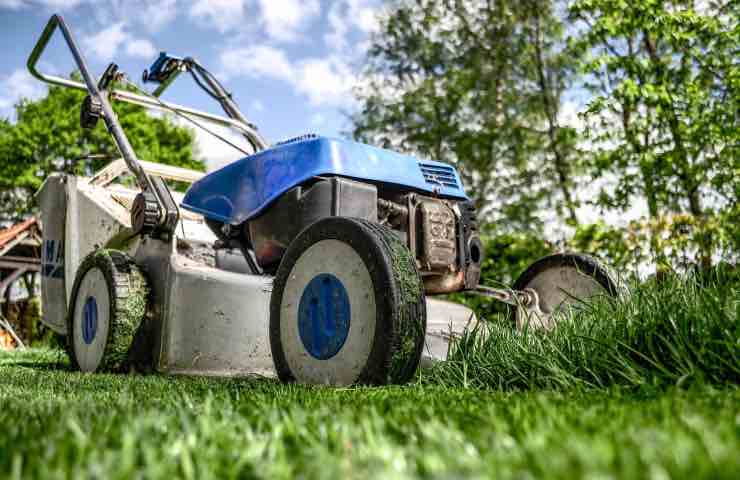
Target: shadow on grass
x,y
58,366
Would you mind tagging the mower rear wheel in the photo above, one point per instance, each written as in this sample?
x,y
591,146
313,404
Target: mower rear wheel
x,y
108,303
347,306
562,282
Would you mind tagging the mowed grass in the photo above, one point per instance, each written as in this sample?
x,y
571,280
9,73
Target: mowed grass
x,y
58,424
507,406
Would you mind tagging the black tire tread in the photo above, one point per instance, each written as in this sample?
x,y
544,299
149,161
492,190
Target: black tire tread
x,y
410,329
586,263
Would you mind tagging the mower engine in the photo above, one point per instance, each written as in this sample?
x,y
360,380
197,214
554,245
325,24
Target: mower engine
x,y
315,177
441,234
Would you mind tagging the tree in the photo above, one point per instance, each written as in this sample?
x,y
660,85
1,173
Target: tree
x,y
47,138
477,84
665,113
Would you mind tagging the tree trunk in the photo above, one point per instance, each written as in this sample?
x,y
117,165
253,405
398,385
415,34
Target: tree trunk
x,y
690,186
551,113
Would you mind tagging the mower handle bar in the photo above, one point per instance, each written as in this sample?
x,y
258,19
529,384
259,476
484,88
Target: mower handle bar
x,y
89,86
111,121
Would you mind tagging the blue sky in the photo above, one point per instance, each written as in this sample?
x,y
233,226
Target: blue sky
x,y
290,64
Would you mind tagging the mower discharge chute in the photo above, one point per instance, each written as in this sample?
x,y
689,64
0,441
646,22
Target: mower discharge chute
x,y
311,258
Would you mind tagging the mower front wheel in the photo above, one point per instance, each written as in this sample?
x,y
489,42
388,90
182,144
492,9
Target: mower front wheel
x,y
347,306
108,304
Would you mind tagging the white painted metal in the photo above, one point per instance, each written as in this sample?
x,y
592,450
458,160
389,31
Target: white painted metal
x,y
94,220
210,322
342,261
90,355
207,321
53,203
79,217
446,322
118,167
216,321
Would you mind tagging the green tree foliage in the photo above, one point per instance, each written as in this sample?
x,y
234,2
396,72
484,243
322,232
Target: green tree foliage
x,y
665,116
46,138
477,84
482,84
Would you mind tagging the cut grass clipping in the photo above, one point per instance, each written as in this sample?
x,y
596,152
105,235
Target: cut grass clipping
x,y
596,398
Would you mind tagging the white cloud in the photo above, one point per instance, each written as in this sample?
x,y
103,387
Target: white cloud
x,y
59,4
256,61
105,44
284,20
215,152
346,15
569,115
140,47
155,15
49,4
324,81
366,19
19,84
223,15
11,4
281,20
152,15
317,119
257,106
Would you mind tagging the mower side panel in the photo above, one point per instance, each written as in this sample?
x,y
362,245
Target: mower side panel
x,y
77,218
216,323
207,321
53,203
241,190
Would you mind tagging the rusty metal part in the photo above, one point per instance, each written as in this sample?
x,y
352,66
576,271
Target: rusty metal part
x,y
507,295
5,325
473,266
441,234
526,301
469,244
389,208
447,283
411,203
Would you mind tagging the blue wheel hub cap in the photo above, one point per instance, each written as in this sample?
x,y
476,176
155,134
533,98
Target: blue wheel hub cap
x,y
90,322
323,316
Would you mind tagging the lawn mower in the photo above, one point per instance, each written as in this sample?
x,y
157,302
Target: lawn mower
x,y
311,258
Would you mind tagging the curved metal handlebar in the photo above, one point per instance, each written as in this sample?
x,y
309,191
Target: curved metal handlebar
x,y
121,95
111,121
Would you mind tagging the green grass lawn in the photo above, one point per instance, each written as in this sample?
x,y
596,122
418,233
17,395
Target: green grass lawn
x,y
641,388
57,424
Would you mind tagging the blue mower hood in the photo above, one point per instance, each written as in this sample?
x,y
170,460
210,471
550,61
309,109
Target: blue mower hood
x,y
241,190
